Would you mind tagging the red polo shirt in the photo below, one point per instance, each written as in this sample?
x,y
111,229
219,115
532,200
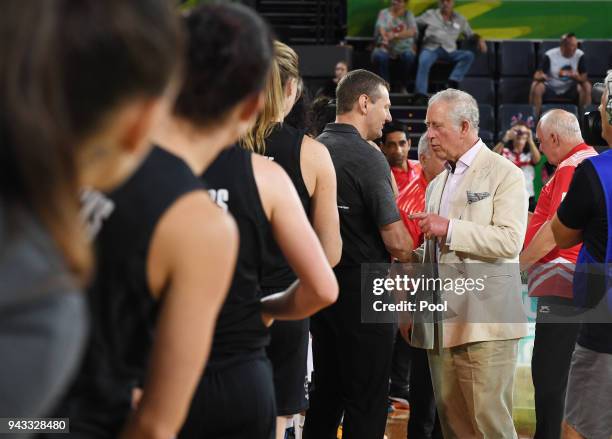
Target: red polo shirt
x,y
552,275
402,178
411,199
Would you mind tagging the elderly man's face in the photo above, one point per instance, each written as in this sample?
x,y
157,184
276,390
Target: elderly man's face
x,y
378,113
569,46
443,134
432,164
548,144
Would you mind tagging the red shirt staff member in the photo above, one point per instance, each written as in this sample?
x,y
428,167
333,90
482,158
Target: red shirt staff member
x,y
395,146
551,271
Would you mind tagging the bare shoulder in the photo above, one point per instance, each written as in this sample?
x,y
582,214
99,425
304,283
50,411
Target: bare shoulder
x,y
272,182
197,216
314,153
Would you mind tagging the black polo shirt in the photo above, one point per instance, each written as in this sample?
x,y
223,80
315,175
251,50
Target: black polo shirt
x,y
365,195
584,208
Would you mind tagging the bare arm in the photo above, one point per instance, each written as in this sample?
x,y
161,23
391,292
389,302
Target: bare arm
x,y
564,236
541,244
194,252
324,207
294,235
397,241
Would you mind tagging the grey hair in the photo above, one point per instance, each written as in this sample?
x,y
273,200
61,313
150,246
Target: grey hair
x,y
423,148
464,106
563,123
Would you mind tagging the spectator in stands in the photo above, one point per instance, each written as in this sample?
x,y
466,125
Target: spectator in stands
x,y
562,75
518,146
395,32
329,89
550,279
585,217
443,26
395,146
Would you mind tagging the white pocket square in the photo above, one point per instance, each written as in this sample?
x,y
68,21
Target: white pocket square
x,y
473,197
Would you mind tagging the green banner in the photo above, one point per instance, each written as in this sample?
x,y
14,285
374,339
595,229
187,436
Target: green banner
x,y
504,19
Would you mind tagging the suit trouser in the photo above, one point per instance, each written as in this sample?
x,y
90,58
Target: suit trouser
x,y
352,362
473,388
550,364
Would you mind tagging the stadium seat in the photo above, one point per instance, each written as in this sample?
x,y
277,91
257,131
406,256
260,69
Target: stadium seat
x,y
320,61
506,112
513,90
544,46
484,63
598,57
487,117
482,89
567,107
516,58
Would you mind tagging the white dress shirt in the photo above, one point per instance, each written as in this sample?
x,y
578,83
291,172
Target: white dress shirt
x,y
453,180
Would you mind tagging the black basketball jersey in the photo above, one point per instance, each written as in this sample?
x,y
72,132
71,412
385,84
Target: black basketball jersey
x,y
240,330
123,311
284,146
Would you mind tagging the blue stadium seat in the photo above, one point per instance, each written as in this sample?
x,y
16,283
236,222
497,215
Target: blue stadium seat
x,y
484,63
487,117
516,58
546,45
567,107
513,90
482,89
506,112
598,57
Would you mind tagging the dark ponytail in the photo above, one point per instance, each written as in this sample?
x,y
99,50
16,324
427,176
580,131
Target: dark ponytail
x,y
64,66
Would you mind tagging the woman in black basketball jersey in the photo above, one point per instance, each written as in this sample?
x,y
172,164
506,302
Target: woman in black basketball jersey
x,y
166,252
309,165
79,95
235,397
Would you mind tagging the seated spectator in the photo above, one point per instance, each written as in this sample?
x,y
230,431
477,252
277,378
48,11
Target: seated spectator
x,y
443,26
329,89
562,74
518,146
394,32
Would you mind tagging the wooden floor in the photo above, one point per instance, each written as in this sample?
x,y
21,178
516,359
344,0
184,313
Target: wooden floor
x,y
397,422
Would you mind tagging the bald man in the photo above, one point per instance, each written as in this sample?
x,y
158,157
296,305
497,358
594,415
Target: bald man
x,y
551,272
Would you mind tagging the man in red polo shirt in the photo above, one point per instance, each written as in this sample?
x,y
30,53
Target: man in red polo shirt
x,y
395,146
410,376
551,272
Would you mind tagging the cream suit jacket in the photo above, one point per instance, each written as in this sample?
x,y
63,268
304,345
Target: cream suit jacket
x,y
489,208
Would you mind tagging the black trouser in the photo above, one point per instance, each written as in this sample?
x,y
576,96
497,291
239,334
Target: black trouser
x,y
423,422
352,362
552,353
234,402
400,368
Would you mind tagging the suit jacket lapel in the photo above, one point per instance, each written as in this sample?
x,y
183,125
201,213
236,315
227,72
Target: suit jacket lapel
x,y
460,201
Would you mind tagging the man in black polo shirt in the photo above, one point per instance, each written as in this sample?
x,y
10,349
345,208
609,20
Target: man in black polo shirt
x,y
585,215
352,360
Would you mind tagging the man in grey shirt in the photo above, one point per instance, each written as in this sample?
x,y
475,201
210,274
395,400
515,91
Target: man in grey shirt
x,y
443,26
